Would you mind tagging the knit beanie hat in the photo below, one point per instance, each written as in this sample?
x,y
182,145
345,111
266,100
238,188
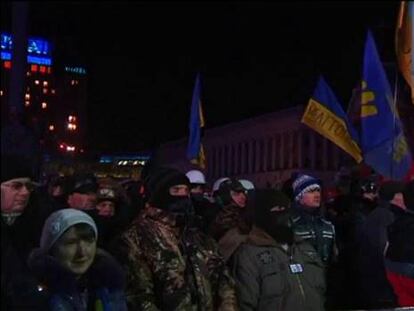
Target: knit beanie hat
x,y
304,183
15,167
60,221
159,182
83,183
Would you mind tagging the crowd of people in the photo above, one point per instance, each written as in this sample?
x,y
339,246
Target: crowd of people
x,y
171,242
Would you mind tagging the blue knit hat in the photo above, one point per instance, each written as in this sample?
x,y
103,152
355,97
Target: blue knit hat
x,y
58,222
304,183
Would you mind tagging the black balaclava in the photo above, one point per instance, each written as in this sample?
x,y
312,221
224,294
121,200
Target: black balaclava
x,y
276,223
158,185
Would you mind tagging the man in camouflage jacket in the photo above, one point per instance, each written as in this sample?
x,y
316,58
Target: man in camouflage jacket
x,y
171,264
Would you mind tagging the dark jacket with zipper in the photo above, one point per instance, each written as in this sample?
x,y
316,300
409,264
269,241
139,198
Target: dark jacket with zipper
x,y
264,278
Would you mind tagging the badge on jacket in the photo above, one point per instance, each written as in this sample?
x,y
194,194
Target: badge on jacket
x,y
265,257
296,268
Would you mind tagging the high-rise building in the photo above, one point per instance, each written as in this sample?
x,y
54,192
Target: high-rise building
x,y
54,100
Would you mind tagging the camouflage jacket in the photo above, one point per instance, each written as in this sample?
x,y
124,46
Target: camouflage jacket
x,y
229,217
175,269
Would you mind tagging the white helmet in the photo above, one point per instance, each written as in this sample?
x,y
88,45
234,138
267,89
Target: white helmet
x,y
196,177
217,183
247,184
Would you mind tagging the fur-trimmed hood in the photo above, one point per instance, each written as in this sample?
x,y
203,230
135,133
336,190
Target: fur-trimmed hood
x,y
104,272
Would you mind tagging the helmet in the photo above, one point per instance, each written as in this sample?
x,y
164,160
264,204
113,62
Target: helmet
x,y
196,177
247,184
217,183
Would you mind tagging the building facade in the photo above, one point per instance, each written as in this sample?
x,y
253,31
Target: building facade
x,y
54,100
266,150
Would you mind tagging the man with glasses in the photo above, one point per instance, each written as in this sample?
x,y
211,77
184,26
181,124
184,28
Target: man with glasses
x,y
21,223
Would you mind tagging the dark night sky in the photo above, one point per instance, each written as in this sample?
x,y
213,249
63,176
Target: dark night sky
x,y
255,57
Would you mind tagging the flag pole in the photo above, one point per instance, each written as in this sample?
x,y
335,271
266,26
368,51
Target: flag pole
x,y
394,112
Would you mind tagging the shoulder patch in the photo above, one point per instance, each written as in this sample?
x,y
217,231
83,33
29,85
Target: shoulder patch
x,y
265,257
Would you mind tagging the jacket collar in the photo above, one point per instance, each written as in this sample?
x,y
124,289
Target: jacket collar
x,y
104,272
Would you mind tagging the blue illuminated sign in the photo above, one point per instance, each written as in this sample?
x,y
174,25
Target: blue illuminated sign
x,y
30,59
35,46
39,60
38,46
6,42
6,55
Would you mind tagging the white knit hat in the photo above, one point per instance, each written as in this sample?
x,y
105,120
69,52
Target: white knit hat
x,y
60,221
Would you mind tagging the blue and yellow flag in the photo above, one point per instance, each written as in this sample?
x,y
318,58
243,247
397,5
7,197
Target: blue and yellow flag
x,y
325,115
195,150
383,142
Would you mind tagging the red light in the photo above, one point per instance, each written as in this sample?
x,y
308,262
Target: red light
x,y
7,64
42,69
34,68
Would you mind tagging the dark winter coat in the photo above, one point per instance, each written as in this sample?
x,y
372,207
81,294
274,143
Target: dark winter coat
x,y
264,279
17,241
58,289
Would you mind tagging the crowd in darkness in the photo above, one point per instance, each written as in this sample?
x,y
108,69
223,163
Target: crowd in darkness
x,y
173,240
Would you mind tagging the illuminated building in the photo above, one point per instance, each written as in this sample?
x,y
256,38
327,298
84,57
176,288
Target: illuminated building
x,y
266,150
54,92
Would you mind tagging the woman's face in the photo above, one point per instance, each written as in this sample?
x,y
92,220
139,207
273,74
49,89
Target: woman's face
x,y
76,249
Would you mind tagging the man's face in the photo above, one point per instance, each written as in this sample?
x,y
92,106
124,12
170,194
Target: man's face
x,y
74,251
197,189
239,197
106,208
82,201
15,194
311,198
179,191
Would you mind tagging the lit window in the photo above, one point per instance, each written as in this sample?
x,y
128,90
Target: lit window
x,y
27,96
42,69
51,127
72,127
44,105
28,74
27,103
44,91
45,83
37,82
7,64
34,68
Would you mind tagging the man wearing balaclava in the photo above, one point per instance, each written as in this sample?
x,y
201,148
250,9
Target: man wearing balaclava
x,y
275,270
308,222
171,264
